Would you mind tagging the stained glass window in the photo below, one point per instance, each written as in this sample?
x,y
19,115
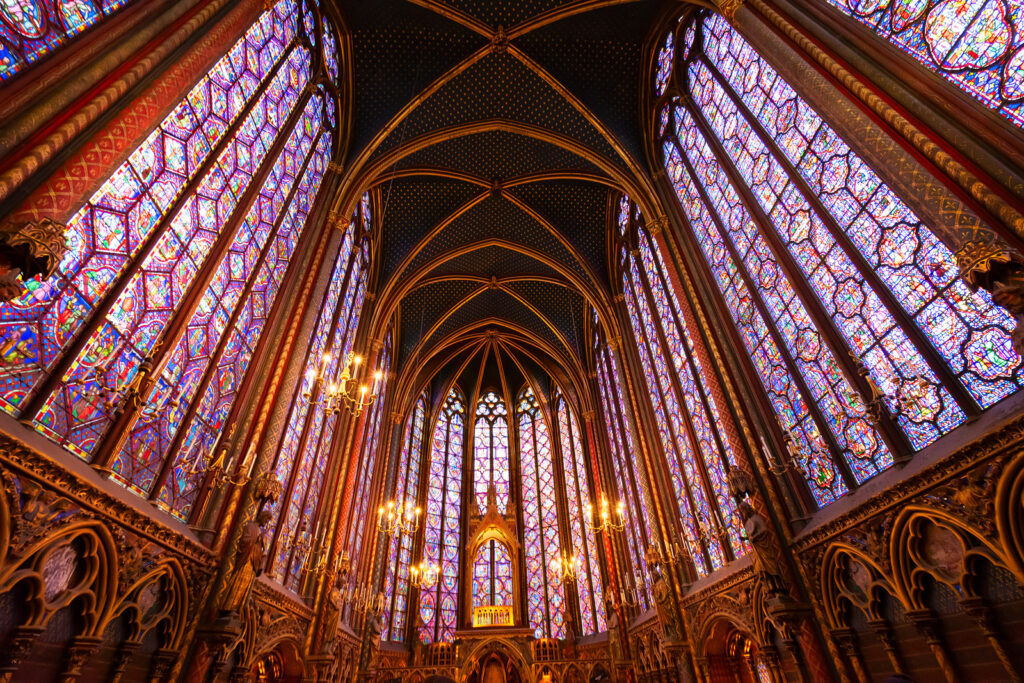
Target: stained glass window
x,y
688,420
396,580
175,264
584,541
492,575
442,542
125,216
308,440
490,450
628,477
30,29
818,260
542,549
976,44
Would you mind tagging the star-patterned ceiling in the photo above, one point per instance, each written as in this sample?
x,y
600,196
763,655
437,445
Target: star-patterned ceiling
x,y
495,135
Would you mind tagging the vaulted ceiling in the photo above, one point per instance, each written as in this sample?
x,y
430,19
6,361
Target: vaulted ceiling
x,y
496,135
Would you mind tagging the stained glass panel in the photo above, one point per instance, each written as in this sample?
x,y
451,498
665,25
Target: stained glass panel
x,y
441,538
490,450
584,542
966,328
542,550
106,233
396,582
31,29
976,44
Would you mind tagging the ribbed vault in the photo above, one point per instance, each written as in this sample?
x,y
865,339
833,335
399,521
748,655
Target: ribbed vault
x,y
496,140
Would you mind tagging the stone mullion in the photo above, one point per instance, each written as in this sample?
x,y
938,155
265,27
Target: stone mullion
x,y
987,257
212,365
314,397
835,451
670,450
21,181
906,322
885,425
698,454
67,356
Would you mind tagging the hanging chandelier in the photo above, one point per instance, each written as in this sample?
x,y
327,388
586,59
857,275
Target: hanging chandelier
x,y
395,519
606,520
345,391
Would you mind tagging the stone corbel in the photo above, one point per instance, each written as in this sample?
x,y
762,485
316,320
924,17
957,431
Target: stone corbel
x,y
29,250
17,647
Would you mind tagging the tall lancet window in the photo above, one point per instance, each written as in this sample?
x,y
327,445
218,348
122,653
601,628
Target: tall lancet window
x,y
31,29
584,542
689,422
545,595
628,481
174,268
490,450
976,44
396,581
850,308
442,541
492,566
307,444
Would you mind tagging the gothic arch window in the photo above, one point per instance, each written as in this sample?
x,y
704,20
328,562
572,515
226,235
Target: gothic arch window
x,y
689,423
977,45
31,29
307,444
175,264
442,543
396,581
492,575
578,501
491,450
863,336
545,594
627,479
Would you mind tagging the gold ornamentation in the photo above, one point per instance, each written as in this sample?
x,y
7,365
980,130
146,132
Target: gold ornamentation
x,y
29,250
976,260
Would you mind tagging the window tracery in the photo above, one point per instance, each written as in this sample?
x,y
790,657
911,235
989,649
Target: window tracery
x,y
545,594
175,263
627,478
584,542
978,45
491,450
31,29
442,543
688,420
819,261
